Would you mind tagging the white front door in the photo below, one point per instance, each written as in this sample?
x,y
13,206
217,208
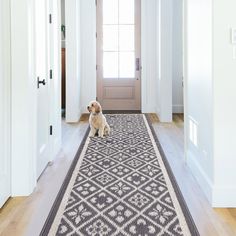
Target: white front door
x,y
5,119
42,73
118,54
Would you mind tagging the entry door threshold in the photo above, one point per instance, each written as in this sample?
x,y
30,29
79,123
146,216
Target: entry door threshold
x,y
121,112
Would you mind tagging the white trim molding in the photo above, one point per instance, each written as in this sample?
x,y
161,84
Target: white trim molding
x,y
202,179
73,67
224,196
5,102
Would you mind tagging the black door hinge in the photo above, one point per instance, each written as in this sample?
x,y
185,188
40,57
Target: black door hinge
x,y
51,129
50,18
50,74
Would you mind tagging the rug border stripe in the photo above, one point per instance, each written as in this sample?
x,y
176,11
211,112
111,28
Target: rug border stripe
x,y
188,217
55,207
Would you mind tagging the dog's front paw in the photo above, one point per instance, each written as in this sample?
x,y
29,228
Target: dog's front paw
x,y
100,134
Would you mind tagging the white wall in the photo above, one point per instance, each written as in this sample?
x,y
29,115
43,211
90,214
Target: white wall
x,y
199,93
165,60
80,56
156,47
5,102
149,55
88,52
211,86
73,62
224,194
177,39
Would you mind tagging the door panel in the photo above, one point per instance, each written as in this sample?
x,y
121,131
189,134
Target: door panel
x,y
42,72
118,50
5,171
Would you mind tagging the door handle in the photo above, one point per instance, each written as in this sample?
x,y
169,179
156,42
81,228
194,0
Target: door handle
x,y
43,82
137,64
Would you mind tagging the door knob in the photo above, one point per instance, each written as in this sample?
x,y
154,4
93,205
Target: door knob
x,y
137,64
43,82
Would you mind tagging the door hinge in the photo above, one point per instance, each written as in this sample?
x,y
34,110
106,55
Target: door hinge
x,y
50,18
51,128
96,2
50,74
96,67
96,98
96,35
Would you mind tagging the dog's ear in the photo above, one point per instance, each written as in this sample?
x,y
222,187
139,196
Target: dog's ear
x,y
98,108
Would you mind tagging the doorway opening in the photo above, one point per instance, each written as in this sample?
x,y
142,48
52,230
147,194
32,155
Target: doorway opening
x,y
118,54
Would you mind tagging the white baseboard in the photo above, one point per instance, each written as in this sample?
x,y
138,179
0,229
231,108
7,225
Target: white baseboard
x,y
224,196
157,111
178,109
199,174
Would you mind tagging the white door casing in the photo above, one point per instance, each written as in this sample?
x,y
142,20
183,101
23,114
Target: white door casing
x,y
54,79
118,54
42,73
5,161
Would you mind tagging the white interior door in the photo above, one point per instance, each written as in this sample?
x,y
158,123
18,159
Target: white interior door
x,y
42,73
5,161
118,54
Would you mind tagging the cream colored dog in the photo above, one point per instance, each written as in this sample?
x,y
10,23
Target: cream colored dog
x,y
97,120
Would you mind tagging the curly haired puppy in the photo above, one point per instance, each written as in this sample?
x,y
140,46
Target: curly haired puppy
x,y
97,120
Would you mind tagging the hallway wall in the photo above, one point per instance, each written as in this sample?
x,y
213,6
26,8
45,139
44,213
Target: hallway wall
x,y
88,52
177,86
150,55
211,86
224,104
5,102
73,60
199,93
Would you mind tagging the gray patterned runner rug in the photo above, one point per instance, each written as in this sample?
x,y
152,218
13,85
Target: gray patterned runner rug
x,y
120,185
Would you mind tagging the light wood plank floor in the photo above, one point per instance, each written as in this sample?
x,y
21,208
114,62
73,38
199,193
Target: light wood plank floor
x,y
26,215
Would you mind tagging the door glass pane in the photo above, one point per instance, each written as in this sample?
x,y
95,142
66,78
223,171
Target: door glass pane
x,y
110,64
110,12
126,11
126,37
127,65
110,37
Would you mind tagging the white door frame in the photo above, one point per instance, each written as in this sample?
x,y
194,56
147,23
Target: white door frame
x,y
119,93
73,67
55,76
185,74
5,102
